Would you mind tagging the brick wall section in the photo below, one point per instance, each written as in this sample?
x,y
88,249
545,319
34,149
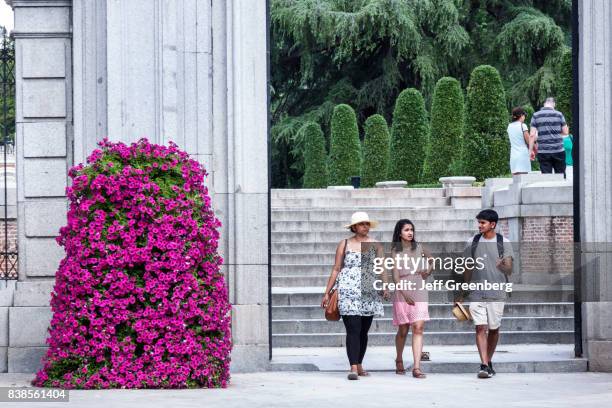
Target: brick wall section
x,y
547,245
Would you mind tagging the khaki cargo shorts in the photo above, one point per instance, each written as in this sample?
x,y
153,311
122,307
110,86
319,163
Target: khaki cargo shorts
x,y
487,313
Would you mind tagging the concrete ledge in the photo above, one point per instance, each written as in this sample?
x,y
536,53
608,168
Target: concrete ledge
x,y
554,192
340,187
491,186
392,184
25,359
458,181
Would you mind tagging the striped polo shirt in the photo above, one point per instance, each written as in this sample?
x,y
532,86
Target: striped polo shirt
x,y
549,123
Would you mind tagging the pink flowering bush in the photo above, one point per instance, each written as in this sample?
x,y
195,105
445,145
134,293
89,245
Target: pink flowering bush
x,y
139,300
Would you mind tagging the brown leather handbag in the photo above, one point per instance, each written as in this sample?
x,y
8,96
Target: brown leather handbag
x,y
332,313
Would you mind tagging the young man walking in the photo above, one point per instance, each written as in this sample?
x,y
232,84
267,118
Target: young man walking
x,y
548,127
495,255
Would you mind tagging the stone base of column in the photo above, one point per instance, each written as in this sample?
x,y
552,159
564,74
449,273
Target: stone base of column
x,y
249,358
600,355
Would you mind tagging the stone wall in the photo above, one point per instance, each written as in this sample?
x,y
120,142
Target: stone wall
x,y
187,71
536,215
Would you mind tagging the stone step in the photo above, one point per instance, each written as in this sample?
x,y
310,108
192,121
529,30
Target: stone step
x,y
380,213
521,293
386,227
465,337
441,235
435,324
360,202
328,247
305,254
552,309
515,358
356,193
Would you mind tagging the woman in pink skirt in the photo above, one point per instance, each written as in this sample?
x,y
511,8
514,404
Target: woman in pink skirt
x,y
410,304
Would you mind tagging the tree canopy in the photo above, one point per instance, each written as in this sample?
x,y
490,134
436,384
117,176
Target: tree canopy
x,y
364,52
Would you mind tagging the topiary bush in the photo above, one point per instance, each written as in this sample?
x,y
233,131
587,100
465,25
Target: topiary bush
x,y
139,300
565,87
486,146
409,136
345,147
375,151
315,157
446,134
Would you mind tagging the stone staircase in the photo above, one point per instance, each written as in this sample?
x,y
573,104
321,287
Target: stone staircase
x,y
308,224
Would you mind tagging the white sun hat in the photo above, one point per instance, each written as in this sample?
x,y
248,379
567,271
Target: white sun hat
x,y
361,216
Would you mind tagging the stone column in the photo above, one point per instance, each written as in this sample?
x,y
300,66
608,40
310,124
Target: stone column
x,y
194,72
595,95
43,108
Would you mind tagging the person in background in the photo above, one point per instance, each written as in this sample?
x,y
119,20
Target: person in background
x,y
568,145
548,126
521,143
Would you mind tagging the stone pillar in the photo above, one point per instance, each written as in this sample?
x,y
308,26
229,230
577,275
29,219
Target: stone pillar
x,y
595,97
194,72
43,108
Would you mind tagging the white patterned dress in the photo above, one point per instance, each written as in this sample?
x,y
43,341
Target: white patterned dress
x,y
356,293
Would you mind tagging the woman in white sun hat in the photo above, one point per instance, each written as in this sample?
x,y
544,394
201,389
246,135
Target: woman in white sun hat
x,y
358,300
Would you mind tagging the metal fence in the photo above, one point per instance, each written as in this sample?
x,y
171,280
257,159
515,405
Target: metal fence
x,y
8,232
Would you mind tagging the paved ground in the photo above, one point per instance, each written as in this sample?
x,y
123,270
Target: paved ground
x,y
314,389
516,358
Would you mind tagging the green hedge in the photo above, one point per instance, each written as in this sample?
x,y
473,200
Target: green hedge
x,y
447,125
409,135
315,157
345,147
565,87
375,151
486,149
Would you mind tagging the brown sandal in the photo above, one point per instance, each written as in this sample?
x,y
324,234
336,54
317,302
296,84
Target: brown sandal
x,y
417,373
400,371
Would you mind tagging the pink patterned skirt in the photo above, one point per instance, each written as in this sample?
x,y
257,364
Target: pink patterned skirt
x,y
404,313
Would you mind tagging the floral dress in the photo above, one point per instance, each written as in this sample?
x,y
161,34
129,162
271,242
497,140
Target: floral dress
x,y
356,292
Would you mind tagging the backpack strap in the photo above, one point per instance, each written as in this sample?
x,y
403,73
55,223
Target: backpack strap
x,y
500,245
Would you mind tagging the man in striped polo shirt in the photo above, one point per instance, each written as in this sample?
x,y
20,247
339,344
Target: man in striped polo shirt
x,y
548,127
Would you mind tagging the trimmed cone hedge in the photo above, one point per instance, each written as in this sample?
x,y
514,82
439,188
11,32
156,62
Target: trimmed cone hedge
x,y
409,136
486,147
139,300
565,87
375,151
345,147
447,125
315,157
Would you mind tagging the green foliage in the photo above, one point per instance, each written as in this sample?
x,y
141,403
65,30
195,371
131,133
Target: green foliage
x,y
315,157
486,147
409,137
345,147
447,123
565,87
375,151
364,52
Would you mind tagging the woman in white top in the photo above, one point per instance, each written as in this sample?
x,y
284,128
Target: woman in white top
x,y
521,145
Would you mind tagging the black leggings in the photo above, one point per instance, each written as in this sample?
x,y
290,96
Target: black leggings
x,y
356,337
